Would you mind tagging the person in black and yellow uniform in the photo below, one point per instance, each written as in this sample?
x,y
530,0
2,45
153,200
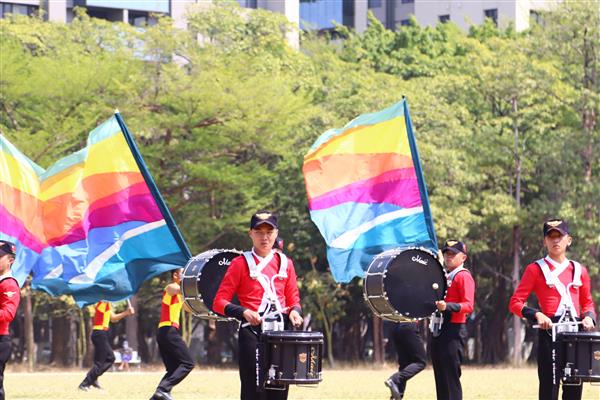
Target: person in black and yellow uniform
x,y
173,351
103,353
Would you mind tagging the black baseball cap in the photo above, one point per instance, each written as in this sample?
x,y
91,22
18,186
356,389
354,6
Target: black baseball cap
x,y
7,247
556,225
263,217
455,246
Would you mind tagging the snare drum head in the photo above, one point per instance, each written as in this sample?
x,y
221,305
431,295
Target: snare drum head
x,y
409,282
203,274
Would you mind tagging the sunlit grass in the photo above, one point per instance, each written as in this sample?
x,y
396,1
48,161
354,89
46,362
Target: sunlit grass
x,y
363,383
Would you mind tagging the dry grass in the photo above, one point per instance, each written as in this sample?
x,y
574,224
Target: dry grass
x,y
362,383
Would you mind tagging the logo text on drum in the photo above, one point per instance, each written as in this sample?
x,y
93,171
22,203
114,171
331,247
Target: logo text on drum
x,y
224,261
419,260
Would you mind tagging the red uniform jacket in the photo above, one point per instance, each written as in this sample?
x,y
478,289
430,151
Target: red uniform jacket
x,y
461,292
10,295
533,281
237,280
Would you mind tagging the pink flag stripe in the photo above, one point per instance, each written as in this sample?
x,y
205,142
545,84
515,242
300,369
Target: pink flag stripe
x,y
400,191
14,227
135,208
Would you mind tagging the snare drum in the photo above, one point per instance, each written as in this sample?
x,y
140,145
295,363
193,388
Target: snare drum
x,y
403,284
290,357
579,356
201,278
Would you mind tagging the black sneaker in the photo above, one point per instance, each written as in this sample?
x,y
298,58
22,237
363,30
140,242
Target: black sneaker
x,y
97,385
397,392
83,387
160,395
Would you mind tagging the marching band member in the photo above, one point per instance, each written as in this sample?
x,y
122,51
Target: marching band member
x,y
412,357
10,295
560,285
252,276
447,348
104,356
173,350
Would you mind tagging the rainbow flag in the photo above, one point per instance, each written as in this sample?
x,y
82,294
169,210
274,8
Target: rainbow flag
x,y
93,225
366,191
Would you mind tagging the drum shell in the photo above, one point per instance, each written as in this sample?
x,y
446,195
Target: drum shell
x,y
201,278
399,284
295,356
581,352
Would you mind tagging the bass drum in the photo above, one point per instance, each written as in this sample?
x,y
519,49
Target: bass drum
x,y
201,278
403,284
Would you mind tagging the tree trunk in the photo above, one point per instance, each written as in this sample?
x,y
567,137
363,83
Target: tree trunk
x,y
132,325
29,344
378,355
64,333
328,337
88,356
516,271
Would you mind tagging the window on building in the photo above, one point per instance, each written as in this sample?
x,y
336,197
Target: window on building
x,y
492,14
405,22
321,14
444,18
375,3
20,9
248,3
141,19
407,1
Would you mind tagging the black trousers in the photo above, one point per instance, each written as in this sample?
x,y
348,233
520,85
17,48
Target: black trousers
x,y
410,348
446,356
103,357
248,338
547,390
5,348
175,356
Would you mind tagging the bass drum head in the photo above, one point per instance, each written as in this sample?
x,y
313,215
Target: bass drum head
x,y
201,279
409,283
212,274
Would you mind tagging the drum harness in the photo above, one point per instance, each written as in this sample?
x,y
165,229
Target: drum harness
x,y
270,307
437,318
566,308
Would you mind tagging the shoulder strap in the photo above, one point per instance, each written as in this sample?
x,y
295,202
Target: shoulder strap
x,y
546,271
251,264
282,266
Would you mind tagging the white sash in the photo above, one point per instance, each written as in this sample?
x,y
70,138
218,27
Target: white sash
x,y
450,276
269,293
553,281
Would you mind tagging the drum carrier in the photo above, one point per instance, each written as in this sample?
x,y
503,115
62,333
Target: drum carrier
x,y
201,279
403,284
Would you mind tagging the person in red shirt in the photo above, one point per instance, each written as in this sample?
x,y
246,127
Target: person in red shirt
x,y
248,276
447,348
104,356
10,295
547,278
173,350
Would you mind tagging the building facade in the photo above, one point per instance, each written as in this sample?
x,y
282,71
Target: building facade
x,y
463,13
306,14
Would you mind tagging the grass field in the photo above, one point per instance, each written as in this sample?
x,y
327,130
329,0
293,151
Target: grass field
x,y
339,384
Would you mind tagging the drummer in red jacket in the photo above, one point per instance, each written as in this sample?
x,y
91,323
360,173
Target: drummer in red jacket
x,y
447,348
250,276
551,278
10,295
